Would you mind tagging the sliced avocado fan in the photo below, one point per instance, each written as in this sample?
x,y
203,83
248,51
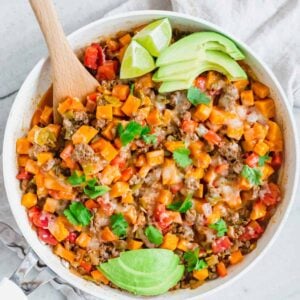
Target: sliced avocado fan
x,y
188,48
147,272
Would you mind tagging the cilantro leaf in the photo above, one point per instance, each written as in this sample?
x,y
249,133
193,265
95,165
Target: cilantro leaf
x,y
149,138
251,174
130,132
78,214
195,96
154,235
93,191
181,156
262,160
181,207
119,225
76,179
132,88
193,261
145,130
220,226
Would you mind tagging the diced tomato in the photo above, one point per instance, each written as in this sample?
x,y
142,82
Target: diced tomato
x,y
252,231
23,174
38,218
127,174
46,236
72,237
162,218
212,137
221,244
119,161
94,56
108,70
189,126
276,160
272,194
90,105
175,188
86,266
105,206
252,160
201,83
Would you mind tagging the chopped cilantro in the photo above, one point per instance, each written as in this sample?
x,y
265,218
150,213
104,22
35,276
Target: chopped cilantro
x,y
76,179
220,226
251,174
262,160
149,138
154,235
193,261
93,191
181,156
195,96
130,132
132,88
119,225
78,214
181,207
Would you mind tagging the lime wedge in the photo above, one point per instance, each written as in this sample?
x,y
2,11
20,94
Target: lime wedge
x,y
155,37
136,62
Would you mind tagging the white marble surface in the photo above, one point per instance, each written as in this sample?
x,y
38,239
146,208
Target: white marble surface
x,y
275,277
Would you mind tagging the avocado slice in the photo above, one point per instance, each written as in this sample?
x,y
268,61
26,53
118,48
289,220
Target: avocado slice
x,y
171,86
188,48
198,68
142,271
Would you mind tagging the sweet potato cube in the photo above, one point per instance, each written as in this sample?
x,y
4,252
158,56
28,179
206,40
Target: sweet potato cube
x,y
266,107
84,135
46,115
155,158
247,98
23,146
62,252
134,244
260,90
200,275
121,91
83,240
104,112
29,200
131,105
202,112
170,242
119,189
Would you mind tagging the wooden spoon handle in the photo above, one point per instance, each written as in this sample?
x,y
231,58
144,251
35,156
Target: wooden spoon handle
x,y
69,76
57,43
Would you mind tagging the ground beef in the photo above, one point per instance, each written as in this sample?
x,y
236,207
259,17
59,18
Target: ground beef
x,y
69,128
36,149
237,166
99,124
230,150
83,153
179,100
153,176
190,216
192,183
81,117
185,232
229,97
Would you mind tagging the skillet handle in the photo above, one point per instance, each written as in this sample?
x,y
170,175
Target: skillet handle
x,y
10,290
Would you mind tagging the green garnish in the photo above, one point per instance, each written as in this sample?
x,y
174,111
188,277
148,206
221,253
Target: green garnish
x,y
181,156
181,207
119,225
131,131
132,88
76,179
251,174
195,96
78,214
150,138
220,226
154,235
262,159
93,191
193,261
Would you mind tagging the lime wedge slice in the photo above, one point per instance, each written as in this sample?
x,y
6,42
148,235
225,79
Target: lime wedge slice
x,y
136,62
155,37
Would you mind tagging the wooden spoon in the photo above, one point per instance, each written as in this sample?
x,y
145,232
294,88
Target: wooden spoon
x,y
69,76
